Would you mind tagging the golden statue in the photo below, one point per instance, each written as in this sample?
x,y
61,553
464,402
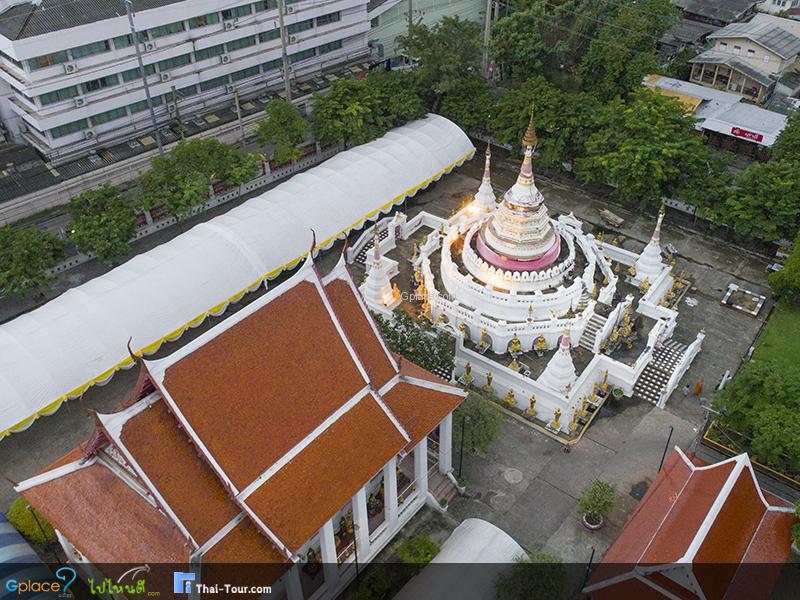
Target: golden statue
x,y
670,294
395,291
415,253
509,399
484,338
540,345
617,269
600,237
424,240
615,241
573,424
594,391
554,424
604,383
632,270
614,335
584,410
515,366
663,302
417,275
441,229
467,377
488,387
626,330
596,291
421,291
440,319
645,285
462,327
515,345
605,280
531,410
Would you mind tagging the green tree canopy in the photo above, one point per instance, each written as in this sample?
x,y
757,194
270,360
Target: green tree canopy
x,y
25,256
787,146
518,43
447,53
785,283
470,105
103,223
538,576
645,148
482,425
285,128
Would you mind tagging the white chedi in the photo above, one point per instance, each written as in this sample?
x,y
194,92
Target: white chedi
x,y
485,200
649,263
559,374
377,289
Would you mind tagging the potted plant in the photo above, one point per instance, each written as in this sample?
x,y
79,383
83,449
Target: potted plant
x,y
617,393
597,500
443,503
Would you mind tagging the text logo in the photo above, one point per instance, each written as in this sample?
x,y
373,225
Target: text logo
x,y
182,582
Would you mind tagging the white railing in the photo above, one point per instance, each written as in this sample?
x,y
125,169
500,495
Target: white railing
x,y
367,235
680,369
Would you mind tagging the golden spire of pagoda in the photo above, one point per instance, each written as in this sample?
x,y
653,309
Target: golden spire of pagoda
x,y
530,139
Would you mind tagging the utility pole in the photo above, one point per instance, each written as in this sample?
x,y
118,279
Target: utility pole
x,y
487,33
284,54
410,16
177,110
239,115
143,75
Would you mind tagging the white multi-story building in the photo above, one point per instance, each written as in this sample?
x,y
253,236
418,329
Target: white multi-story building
x,y
70,75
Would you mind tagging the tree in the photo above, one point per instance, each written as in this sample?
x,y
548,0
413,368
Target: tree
x,y
470,105
763,202
537,576
518,44
785,283
624,50
597,499
25,256
102,223
285,128
482,425
420,344
30,524
513,109
787,146
680,67
447,53
644,148
397,97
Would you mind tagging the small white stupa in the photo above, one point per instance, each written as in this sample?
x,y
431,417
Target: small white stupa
x,y
649,264
559,374
377,289
485,199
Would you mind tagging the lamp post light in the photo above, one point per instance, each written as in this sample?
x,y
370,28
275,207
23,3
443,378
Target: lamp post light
x,y
461,449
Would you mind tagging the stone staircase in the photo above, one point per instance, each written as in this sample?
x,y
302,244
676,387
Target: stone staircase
x,y
593,327
440,485
656,374
584,300
361,257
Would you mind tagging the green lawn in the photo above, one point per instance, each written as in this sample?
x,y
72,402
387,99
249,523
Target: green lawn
x,y
780,340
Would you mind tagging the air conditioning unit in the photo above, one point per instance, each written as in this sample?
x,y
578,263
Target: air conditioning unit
x,y
149,46
225,59
70,68
230,25
289,9
89,134
80,101
229,89
292,39
172,108
165,77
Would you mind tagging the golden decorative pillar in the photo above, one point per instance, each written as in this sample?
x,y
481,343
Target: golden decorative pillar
x,y
596,291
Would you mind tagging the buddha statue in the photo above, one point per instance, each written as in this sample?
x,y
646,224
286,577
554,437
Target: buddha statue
x,y
617,268
584,410
415,252
632,270
615,241
531,411
600,237
554,424
540,344
515,366
509,398
573,424
440,319
395,291
484,338
645,285
515,345
488,387
595,291
463,329
605,279
467,377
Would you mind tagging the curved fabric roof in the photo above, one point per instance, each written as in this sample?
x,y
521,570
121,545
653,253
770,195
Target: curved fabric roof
x,y
79,339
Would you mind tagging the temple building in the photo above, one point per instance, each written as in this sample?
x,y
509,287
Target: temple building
x,y
701,531
287,435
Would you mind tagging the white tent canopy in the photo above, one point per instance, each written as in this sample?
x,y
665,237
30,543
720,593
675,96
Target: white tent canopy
x,y
79,339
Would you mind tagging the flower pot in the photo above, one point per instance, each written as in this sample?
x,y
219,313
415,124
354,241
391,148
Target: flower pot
x,y
590,526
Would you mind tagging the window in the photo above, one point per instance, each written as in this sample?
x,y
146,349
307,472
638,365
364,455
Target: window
x,y
186,92
233,13
157,32
138,107
58,95
301,26
766,58
174,62
268,5
133,74
13,61
63,130
751,53
273,64
209,19
109,115
723,45
90,49
268,36
209,52
737,49
329,47
329,18
125,41
245,73
100,84
374,22
48,60
244,42
213,83
298,56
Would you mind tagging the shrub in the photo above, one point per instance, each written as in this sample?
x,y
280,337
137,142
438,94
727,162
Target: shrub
x,y
24,521
482,426
371,587
418,552
597,500
538,575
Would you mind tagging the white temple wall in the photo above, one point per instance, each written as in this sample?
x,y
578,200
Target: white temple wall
x,y
681,368
620,255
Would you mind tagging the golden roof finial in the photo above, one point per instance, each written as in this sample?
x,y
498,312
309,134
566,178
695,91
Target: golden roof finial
x,y
488,148
529,139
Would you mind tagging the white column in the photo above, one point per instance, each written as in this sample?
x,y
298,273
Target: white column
x,y
294,589
360,520
390,493
328,547
421,467
446,444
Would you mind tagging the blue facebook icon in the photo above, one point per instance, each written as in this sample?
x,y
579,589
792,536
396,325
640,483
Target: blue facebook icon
x,y
182,582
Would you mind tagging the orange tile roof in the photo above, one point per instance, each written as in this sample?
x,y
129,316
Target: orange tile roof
x,y
411,369
627,589
185,481
258,388
245,544
107,520
359,331
420,409
298,499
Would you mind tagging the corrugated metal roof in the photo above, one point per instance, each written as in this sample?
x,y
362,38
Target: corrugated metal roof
x,y
723,58
48,16
771,37
720,10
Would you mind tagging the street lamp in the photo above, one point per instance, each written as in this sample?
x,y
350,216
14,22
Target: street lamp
x,y
464,420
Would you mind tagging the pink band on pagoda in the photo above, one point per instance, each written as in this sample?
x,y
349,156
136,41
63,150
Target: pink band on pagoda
x,y
511,264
